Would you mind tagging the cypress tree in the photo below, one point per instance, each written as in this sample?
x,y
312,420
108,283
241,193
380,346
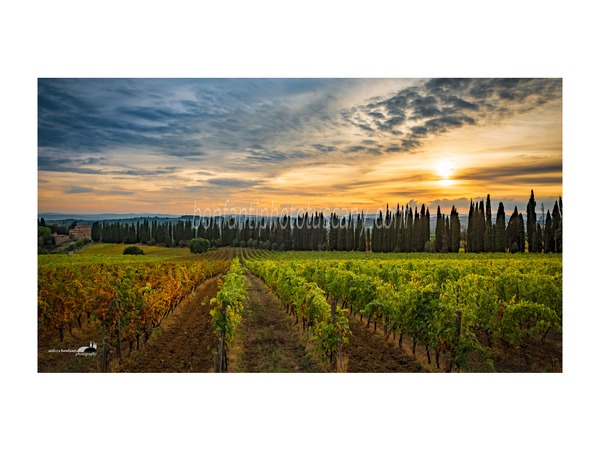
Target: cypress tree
x,y
323,231
362,241
446,235
416,227
96,231
480,227
427,228
470,225
439,230
500,229
389,231
333,224
342,235
521,230
539,244
489,243
409,230
454,231
512,232
377,237
557,228
398,229
531,224
350,234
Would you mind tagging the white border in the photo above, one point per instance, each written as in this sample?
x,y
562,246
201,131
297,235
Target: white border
x,y
304,39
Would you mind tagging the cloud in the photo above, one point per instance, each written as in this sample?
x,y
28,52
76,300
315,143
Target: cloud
x,y
53,161
441,105
546,171
179,132
86,189
220,122
262,121
233,182
357,149
118,192
324,148
364,149
78,190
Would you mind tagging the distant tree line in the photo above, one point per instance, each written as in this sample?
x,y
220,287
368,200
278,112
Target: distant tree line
x,y
399,230
55,227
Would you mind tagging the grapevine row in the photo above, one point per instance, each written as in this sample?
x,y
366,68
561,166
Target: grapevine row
x,y
129,299
455,310
226,311
324,323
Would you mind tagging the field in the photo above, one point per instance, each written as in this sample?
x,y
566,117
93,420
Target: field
x,y
170,311
117,249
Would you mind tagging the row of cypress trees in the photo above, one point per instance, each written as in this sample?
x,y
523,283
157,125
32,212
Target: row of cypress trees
x,y
538,236
402,230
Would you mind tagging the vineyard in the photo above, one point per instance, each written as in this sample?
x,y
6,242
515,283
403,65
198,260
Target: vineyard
x,y
126,298
461,309
459,312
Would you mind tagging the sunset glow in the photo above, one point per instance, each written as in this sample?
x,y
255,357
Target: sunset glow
x,y
160,146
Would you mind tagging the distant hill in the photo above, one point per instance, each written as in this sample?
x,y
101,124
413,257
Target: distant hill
x,y
105,216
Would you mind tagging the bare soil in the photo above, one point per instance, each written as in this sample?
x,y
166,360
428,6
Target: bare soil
x,y
185,340
269,341
57,356
368,352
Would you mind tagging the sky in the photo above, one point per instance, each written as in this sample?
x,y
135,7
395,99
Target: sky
x,y
268,146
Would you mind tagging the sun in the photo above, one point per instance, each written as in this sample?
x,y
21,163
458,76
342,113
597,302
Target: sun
x,y
445,169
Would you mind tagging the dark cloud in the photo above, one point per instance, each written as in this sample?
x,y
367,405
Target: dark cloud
x,y
441,105
540,172
180,117
86,189
233,182
145,172
78,190
390,124
443,124
118,192
370,150
61,164
54,162
419,131
232,124
376,114
424,107
324,148
356,148
263,157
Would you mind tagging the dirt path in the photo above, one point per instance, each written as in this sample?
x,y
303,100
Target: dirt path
x,y
182,342
267,340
